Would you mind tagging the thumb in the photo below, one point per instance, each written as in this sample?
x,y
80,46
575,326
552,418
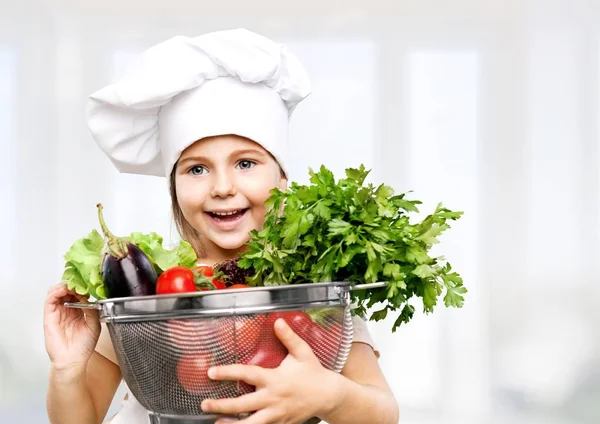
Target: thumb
x,y
295,345
90,315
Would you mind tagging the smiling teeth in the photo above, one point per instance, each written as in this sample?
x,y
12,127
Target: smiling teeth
x,y
226,213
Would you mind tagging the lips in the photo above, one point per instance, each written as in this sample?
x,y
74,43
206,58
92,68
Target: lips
x,y
227,221
230,215
227,213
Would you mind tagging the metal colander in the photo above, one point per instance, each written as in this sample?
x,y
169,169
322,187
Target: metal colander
x,y
165,343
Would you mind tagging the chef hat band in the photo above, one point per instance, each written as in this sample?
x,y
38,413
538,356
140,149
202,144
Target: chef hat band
x,y
185,89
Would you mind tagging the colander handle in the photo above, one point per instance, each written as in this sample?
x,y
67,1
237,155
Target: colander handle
x,y
369,286
82,305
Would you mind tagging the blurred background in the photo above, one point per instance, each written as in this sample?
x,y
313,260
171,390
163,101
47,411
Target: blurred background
x,y
491,107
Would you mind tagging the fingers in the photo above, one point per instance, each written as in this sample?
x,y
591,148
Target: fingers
x,y
81,298
253,375
55,293
59,291
231,406
59,294
295,345
264,416
88,314
227,420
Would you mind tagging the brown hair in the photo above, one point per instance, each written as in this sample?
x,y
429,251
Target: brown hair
x,y
186,231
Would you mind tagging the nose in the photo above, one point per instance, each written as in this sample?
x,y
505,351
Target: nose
x,y
223,185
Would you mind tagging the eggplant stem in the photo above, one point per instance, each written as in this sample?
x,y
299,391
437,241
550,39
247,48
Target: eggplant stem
x,y
105,229
116,246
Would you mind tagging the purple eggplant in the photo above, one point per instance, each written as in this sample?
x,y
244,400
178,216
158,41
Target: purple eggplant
x,y
126,270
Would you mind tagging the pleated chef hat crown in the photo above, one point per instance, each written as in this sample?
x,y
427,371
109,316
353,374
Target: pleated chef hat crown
x,y
184,89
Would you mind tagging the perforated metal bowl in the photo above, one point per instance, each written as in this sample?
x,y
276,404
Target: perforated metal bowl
x,y
165,343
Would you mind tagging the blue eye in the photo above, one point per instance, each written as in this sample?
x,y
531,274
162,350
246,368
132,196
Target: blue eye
x,y
246,164
197,170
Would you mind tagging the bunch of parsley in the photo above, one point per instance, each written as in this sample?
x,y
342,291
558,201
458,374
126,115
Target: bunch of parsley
x,y
349,231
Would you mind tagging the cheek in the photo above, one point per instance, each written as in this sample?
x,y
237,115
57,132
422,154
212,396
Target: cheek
x,y
190,195
257,192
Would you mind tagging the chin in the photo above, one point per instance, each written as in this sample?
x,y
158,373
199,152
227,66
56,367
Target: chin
x,y
231,242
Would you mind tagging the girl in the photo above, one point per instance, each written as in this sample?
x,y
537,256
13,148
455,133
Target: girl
x,y
211,115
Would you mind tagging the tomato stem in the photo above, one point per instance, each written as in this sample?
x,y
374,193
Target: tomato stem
x,y
202,282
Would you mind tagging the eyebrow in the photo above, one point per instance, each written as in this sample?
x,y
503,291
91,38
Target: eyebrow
x,y
248,151
233,154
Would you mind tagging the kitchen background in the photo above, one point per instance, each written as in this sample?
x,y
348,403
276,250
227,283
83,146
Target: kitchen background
x,y
490,107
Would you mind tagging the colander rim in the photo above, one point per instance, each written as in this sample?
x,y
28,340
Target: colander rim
x,y
341,284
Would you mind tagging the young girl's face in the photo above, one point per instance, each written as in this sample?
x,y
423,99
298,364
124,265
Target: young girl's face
x,y
222,184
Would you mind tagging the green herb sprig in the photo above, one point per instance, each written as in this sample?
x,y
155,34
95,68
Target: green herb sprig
x,y
347,230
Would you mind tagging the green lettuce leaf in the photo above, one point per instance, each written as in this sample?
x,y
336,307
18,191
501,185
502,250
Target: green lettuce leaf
x,y
152,245
83,264
83,267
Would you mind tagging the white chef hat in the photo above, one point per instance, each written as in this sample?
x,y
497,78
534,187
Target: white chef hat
x,y
184,89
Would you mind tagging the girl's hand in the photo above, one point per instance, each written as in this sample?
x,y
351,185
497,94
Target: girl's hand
x,y
300,388
70,334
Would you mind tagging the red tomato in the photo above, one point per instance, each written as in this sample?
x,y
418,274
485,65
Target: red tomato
x,y
192,372
219,284
178,279
299,321
247,333
334,330
190,335
268,355
241,335
205,273
324,344
238,286
205,270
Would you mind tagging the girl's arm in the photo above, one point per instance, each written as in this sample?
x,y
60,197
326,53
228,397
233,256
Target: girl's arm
x,y
82,382
361,394
82,395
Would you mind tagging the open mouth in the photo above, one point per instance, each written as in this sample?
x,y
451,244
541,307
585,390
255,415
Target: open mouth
x,y
229,216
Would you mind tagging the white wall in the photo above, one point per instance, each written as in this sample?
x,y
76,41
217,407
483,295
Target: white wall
x,y
491,107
